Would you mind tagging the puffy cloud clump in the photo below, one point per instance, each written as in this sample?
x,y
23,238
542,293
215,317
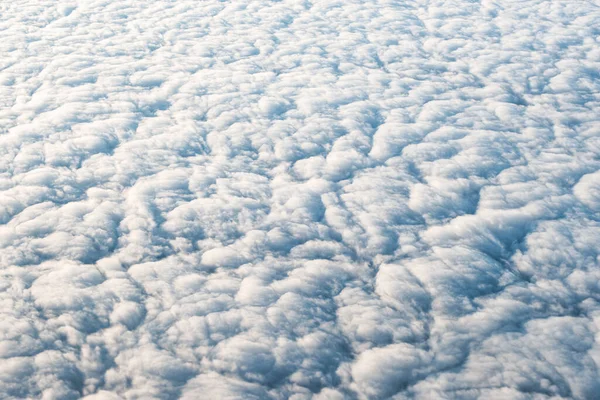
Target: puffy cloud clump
x,y
299,199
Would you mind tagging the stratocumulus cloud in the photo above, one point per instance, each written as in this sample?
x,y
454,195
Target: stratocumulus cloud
x,y
300,199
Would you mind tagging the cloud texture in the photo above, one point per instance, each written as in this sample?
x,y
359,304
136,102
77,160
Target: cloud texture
x,y
300,199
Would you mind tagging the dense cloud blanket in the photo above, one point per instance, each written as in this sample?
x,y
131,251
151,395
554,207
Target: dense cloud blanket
x,y
300,199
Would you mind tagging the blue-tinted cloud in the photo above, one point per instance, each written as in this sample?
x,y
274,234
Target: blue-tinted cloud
x,y
299,199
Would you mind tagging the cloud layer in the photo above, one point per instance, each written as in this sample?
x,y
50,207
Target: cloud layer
x,y
300,199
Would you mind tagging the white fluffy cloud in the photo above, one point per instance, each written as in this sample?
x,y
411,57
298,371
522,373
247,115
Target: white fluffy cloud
x,y
299,199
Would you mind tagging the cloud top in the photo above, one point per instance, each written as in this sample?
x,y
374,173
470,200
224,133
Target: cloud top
x,y
299,199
